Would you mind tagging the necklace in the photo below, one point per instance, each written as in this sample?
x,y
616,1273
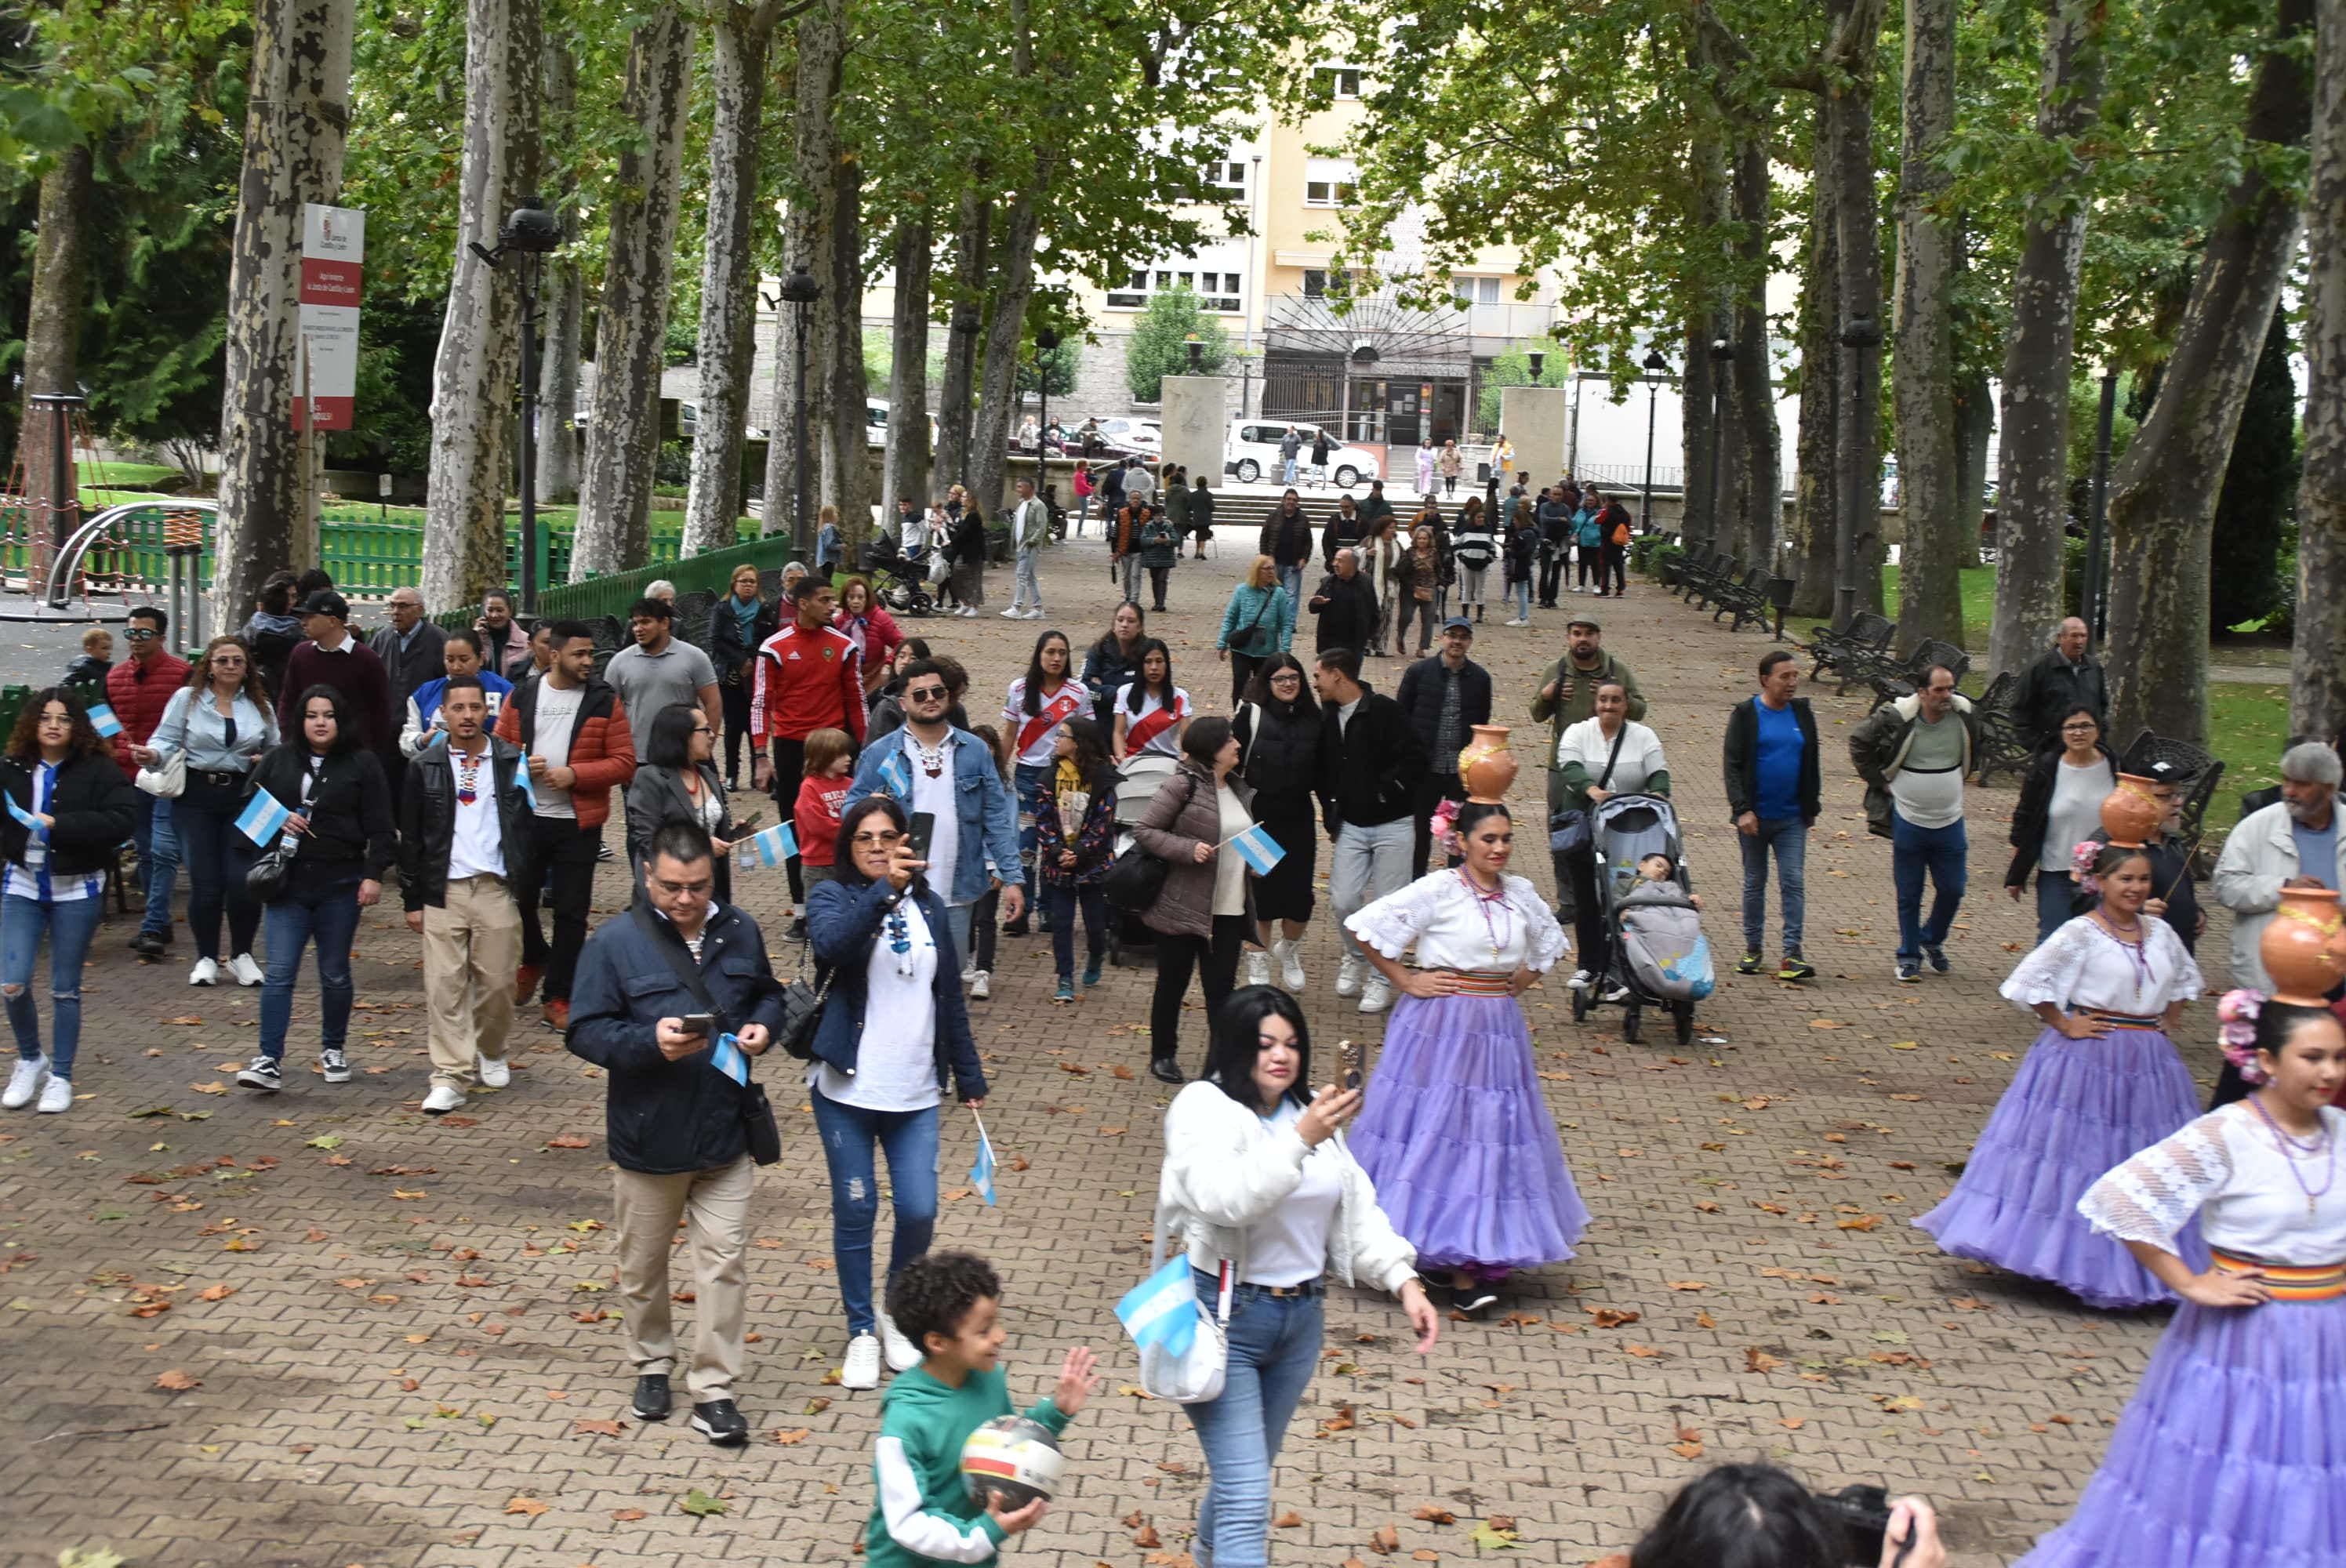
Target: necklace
x,y
2307,1146
468,775
931,761
899,938
1483,903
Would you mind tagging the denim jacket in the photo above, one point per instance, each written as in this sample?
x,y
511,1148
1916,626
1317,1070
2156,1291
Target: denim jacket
x,y
988,818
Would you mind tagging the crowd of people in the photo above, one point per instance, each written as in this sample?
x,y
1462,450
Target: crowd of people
x,y
479,765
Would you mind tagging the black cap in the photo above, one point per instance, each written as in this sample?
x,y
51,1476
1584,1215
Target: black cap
x,y
326,602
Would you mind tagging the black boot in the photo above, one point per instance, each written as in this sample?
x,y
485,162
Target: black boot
x,y
1165,1069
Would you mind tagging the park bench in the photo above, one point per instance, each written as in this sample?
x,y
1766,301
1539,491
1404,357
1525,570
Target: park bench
x,y
1696,572
1753,600
1849,653
1903,681
1715,579
2150,756
695,609
2000,748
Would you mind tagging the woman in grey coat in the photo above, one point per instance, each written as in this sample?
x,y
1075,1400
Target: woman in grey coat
x,y
1205,915
679,782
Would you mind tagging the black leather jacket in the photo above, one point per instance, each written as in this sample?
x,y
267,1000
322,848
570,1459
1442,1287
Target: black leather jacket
x,y
427,819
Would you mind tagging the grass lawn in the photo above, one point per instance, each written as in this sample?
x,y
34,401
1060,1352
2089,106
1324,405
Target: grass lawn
x,y
138,476
1979,603
2245,726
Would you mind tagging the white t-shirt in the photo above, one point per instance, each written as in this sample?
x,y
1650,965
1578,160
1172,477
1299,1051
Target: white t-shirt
x,y
557,720
2074,814
1230,868
1291,1246
896,1061
476,845
938,797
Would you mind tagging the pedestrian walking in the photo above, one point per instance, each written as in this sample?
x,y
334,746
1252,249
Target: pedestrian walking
x,y
460,654
504,646
807,678
1417,590
1030,527
1288,445
1151,712
1321,447
218,726
1446,696
1075,843
1553,513
1606,754
2060,807
1279,732
1451,464
829,544
1374,768
677,781
1176,504
1566,695
1345,607
738,628
274,629
660,670
139,690
1114,662
675,1001
822,796
1520,539
1083,488
1588,543
1257,621
1614,532
1428,460
462,823
1201,514
871,629
1347,530
410,650
334,657
2057,683
965,556
1127,554
1474,546
1285,538
1914,754
1204,917
2293,842
1038,702
1773,794
1160,546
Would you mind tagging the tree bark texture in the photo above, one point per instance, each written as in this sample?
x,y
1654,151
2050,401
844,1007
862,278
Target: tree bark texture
x,y
738,43
2032,505
53,320
1698,432
1849,102
905,466
956,391
2163,495
1709,469
1756,439
846,446
476,377
1005,328
1975,428
631,323
1930,588
296,118
1815,519
562,313
2318,659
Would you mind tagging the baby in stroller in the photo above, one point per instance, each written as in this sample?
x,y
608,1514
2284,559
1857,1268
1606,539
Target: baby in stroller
x,y
1658,957
1662,946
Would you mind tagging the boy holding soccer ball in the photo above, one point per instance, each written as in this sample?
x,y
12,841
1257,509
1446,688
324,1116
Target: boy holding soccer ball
x,y
950,1305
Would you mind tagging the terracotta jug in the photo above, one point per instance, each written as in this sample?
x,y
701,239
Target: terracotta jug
x,y
1485,765
2131,813
2301,948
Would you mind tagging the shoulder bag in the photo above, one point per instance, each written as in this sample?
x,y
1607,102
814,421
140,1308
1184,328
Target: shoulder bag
x,y
1196,1376
167,777
758,1128
1569,829
1254,629
1136,878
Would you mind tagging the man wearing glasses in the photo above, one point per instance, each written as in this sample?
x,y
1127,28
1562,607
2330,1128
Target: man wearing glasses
x,y
673,1000
139,690
929,765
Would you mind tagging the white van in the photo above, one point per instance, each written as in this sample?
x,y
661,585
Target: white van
x,y
875,424
1253,455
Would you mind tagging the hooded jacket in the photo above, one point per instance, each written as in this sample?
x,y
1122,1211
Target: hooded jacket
x,y
922,1514
602,750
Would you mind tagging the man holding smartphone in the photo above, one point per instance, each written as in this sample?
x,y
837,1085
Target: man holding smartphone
x,y
657,992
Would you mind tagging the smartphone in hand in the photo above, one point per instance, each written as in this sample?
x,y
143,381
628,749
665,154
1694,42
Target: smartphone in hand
x,y
923,825
1348,1059
699,1023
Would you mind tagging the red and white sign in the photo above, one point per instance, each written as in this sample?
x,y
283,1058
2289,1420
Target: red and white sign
x,y
326,378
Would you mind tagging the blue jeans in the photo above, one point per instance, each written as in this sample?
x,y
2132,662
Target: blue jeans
x,y
1062,902
70,926
1292,579
159,863
1274,1345
217,854
1788,837
2057,897
1522,590
1287,469
910,1138
1032,779
1941,853
332,919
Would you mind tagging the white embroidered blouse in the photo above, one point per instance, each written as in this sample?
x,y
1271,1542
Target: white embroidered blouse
x,y
1453,927
2249,1192
2083,966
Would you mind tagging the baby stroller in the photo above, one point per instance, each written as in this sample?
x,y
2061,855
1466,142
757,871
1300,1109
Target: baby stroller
x,y
895,582
1656,955
1138,779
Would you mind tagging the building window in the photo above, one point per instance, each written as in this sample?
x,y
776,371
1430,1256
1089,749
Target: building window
x,y
1476,290
1328,181
1219,291
1341,81
1323,284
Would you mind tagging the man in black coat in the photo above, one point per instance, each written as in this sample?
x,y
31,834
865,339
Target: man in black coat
x,y
1346,604
1371,762
413,652
2057,683
1444,696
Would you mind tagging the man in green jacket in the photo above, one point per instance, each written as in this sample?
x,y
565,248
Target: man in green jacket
x,y
1566,694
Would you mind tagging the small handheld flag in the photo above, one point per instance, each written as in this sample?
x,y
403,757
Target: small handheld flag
x,y
23,815
775,844
102,719
896,774
263,817
1162,1309
1259,850
726,1058
981,1171
528,785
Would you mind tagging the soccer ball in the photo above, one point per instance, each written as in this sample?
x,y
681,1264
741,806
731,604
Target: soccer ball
x,y
1011,1458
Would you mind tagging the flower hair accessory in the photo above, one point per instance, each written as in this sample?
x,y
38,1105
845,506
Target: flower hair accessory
x,y
2239,1011
1445,824
2081,866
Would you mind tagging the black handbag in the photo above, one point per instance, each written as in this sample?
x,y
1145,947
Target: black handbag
x,y
758,1128
266,878
1569,831
1136,879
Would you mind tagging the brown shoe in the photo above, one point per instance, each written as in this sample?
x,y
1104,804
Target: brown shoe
x,y
525,979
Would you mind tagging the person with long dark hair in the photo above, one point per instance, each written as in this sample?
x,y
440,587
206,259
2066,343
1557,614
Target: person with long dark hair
x,y
342,840
273,630
1258,1181
894,1030
222,720
1279,733
60,773
2102,1081
1457,1134
677,781
1038,702
1151,712
1075,843
1758,1516
1113,661
1205,915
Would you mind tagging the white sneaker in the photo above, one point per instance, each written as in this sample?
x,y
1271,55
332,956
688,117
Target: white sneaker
x,y
442,1099
1616,993
903,1354
1581,980
1035,614
1291,964
204,972
981,984
25,1083
496,1070
968,973
1348,975
1515,623
1014,614
1257,968
1377,994
862,1368
245,970
57,1095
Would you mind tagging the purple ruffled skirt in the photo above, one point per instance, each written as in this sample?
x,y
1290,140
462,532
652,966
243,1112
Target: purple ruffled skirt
x,y
2233,1454
1457,1137
2075,1109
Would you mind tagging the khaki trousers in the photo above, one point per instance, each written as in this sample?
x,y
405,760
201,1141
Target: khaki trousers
x,y
471,948
716,1204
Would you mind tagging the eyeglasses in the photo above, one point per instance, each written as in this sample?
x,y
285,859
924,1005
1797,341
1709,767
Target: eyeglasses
x,y
1287,675
2079,728
700,888
926,694
228,661
876,841
140,634
702,729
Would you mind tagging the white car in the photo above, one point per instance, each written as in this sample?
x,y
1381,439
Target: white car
x,y
875,424
1253,453
1145,435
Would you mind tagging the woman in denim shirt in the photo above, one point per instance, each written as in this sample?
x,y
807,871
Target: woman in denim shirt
x,y
222,720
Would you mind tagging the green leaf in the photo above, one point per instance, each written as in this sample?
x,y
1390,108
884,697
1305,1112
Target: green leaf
x,y
330,1141
1491,1540
90,1557
113,1214
700,1504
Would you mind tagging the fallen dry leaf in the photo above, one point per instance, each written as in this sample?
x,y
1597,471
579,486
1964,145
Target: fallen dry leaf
x,y
1612,1317
216,1293
1756,1360
626,1515
567,1141
1290,1520
1135,1519
178,1381
1641,1351
1793,1423
791,1438
528,1505
1686,1284
1433,1515
1146,1537
598,1429
1425,1554
1385,1542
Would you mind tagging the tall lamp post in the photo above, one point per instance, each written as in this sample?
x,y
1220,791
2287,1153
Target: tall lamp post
x,y
1045,339
799,292
1658,370
531,233
1722,353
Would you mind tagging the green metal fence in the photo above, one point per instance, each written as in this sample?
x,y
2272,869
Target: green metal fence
x,y
612,596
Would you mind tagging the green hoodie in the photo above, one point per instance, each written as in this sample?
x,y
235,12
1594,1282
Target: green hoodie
x,y
923,1514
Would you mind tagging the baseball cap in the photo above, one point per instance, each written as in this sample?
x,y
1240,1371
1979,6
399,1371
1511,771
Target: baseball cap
x,y
326,602
1459,624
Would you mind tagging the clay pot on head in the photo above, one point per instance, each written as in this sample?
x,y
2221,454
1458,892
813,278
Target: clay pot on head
x,y
2131,813
1485,765
2301,948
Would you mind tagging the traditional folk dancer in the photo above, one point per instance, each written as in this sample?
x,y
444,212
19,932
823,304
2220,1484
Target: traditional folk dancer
x,y
2102,1081
1455,1136
2232,1453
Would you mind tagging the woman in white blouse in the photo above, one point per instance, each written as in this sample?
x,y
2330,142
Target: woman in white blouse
x,y
1151,712
2232,1453
1456,1134
1599,758
1258,1184
2102,1081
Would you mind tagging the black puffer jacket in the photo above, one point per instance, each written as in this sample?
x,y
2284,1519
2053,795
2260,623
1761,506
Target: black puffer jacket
x,y
1281,755
93,805
1420,695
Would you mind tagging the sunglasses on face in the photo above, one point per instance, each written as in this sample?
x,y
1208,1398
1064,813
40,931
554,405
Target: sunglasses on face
x,y
926,694
140,635
876,841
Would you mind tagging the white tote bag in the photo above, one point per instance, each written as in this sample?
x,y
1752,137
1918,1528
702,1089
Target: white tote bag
x,y
1195,1378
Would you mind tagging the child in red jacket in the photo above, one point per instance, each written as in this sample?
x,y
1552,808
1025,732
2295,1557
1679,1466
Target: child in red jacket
x,y
830,768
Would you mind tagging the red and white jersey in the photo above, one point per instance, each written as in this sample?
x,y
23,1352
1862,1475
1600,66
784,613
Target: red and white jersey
x,y
805,681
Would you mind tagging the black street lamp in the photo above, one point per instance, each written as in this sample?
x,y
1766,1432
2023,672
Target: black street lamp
x,y
799,292
1658,370
531,233
1045,339
1722,355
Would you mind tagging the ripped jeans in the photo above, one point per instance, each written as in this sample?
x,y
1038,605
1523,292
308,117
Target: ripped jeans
x,y
70,924
910,1138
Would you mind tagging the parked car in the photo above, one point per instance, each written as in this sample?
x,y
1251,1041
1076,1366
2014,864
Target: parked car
x,y
1253,453
688,424
1145,434
875,423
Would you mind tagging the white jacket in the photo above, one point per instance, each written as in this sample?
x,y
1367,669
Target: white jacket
x,y
1226,1170
2260,856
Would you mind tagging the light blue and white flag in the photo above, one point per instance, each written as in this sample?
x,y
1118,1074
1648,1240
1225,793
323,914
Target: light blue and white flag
x,y
1259,850
102,719
263,817
980,1170
528,785
775,845
30,820
726,1056
1162,1309
896,774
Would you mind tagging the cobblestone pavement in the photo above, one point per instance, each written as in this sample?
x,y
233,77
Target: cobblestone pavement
x,y
319,1329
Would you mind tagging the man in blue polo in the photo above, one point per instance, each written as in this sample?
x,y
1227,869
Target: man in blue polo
x,y
1773,790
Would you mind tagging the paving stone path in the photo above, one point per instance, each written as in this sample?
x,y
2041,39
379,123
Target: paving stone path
x,y
319,1329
